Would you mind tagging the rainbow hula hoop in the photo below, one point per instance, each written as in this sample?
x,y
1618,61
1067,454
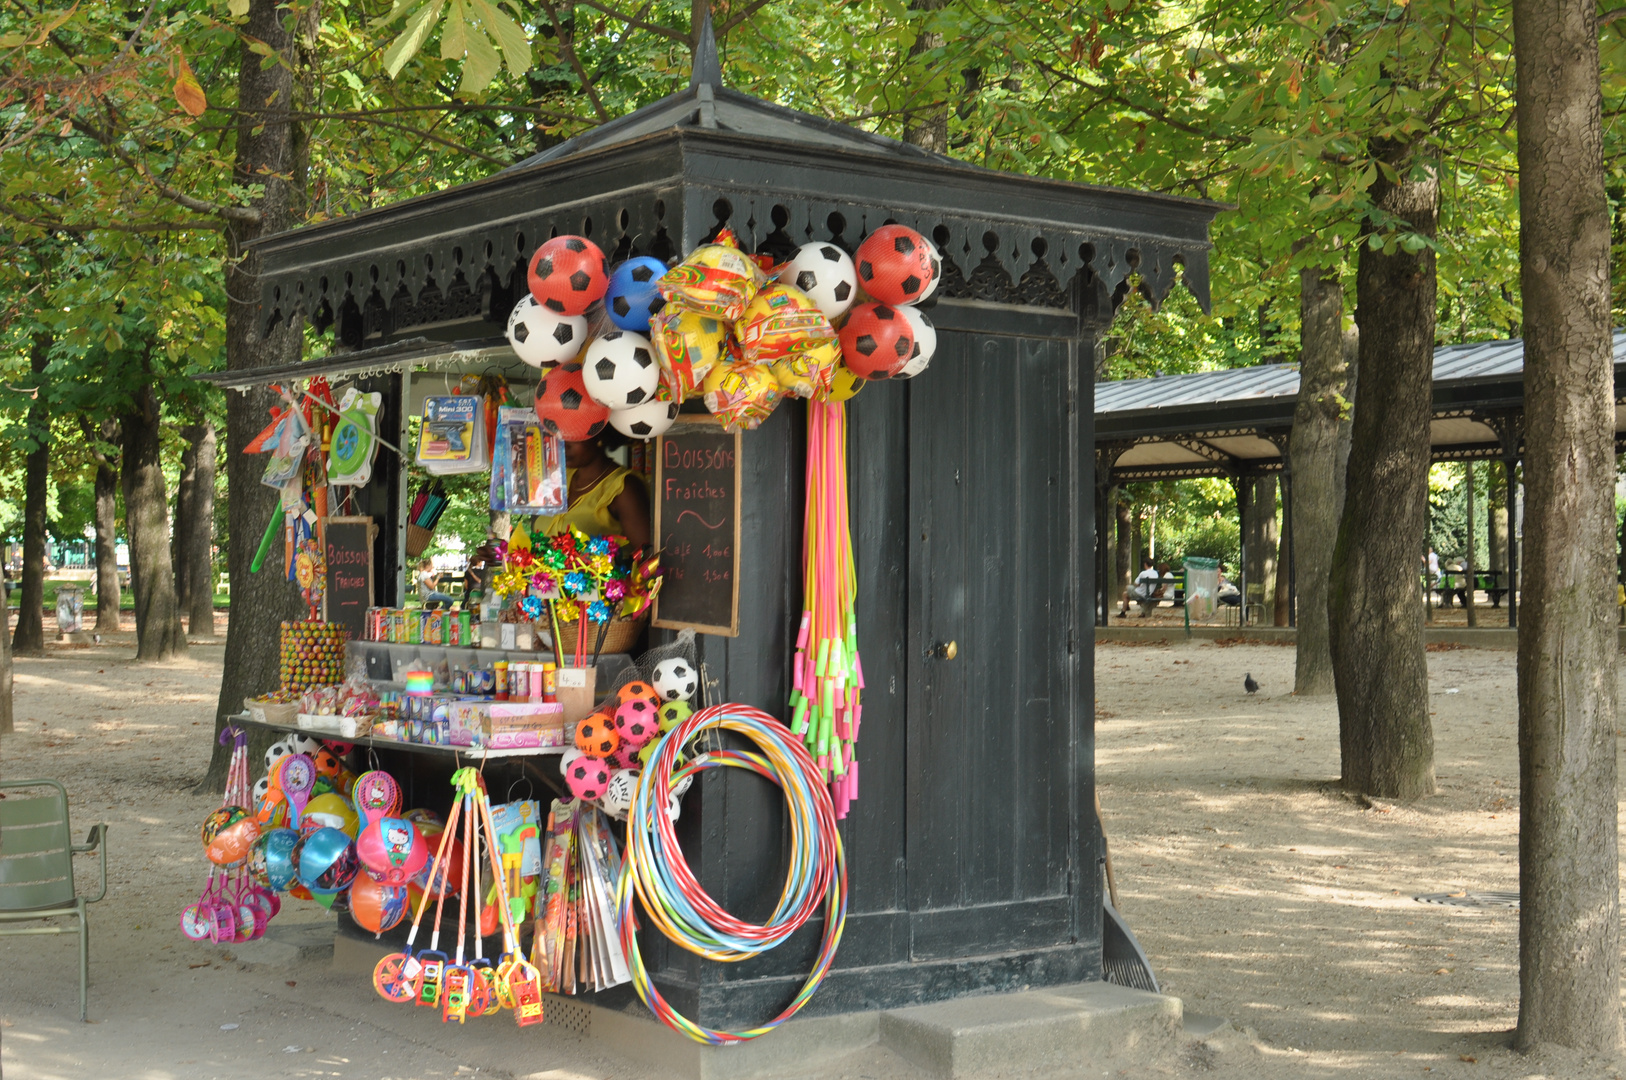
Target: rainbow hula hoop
x,y
656,872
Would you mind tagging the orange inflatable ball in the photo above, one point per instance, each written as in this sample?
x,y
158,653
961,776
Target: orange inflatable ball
x,y
633,690
231,845
596,735
377,906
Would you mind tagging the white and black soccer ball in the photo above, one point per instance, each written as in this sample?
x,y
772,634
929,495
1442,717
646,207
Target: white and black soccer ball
x,y
262,788
304,744
826,274
619,369
925,335
617,798
937,275
541,337
644,421
276,752
675,679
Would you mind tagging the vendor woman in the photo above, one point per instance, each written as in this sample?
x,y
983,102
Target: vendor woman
x,y
606,499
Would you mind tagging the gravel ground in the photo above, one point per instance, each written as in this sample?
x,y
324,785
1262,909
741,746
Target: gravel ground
x,y
1263,896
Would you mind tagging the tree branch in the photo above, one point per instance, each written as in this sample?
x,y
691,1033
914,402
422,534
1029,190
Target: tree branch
x,y
568,44
738,17
663,31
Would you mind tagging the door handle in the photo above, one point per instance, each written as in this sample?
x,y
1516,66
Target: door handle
x,y
944,650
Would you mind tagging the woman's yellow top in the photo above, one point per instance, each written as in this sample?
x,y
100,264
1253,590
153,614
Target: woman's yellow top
x,y
591,511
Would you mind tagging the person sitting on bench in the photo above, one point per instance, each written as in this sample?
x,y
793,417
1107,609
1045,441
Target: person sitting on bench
x,y
1147,590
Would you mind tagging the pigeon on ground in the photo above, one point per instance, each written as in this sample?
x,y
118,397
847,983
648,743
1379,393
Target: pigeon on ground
x,y
1248,684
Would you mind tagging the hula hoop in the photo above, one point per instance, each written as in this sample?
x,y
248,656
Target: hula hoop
x,y
655,871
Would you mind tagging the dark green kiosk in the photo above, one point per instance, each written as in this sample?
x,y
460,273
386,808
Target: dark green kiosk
x,y
974,849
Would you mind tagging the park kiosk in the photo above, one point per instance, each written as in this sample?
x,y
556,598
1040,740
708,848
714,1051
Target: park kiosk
x,y
973,850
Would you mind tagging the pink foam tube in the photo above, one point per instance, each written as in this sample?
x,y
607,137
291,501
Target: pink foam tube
x,y
801,635
858,666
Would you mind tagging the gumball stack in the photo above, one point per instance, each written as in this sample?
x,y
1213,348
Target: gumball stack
x,y
311,654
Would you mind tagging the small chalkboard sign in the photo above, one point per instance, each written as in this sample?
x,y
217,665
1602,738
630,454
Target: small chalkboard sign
x,y
697,526
347,543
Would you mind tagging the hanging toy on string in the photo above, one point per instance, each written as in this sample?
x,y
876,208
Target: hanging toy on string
x,y
715,279
826,274
827,677
355,444
634,297
876,341
310,573
542,337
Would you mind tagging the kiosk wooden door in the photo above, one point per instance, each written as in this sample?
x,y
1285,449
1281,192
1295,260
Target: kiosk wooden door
x,y
990,546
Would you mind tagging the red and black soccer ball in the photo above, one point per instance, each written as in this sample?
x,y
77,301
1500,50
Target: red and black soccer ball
x,y
567,274
563,407
896,264
876,341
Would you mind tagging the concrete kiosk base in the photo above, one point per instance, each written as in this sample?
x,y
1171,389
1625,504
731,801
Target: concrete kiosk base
x,y
1030,1033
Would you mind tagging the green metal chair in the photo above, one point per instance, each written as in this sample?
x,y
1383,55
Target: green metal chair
x,y
36,867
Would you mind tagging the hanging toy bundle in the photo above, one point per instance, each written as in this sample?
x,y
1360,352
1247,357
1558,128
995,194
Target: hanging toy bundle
x,y
656,871
433,979
828,677
232,907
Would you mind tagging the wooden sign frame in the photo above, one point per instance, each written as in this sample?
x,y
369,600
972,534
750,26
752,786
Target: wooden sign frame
x,y
372,537
708,426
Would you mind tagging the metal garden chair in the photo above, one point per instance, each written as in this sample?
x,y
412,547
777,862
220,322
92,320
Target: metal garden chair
x,y
36,867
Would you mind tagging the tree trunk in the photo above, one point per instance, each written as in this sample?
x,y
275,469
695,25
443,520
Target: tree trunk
x,y
159,635
196,529
108,594
1569,885
1318,485
1260,569
270,150
928,128
185,481
7,724
30,636
1374,610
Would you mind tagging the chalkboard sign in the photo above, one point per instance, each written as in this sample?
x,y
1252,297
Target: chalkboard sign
x,y
697,525
347,543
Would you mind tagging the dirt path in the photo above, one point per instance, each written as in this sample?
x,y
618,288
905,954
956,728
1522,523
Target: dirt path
x,y
1261,894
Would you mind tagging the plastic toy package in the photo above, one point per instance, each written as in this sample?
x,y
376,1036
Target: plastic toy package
x,y
528,466
452,438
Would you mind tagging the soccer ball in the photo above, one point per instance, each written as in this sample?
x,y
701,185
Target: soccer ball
x,y
673,713
626,757
925,335
617,798
587,777
637,723
895,264
675,679
637,689
876,341
619,370
565,409
304,744
262,788
632,298
275,753
567,274
937,277
541,337
826,274
644,421
596,735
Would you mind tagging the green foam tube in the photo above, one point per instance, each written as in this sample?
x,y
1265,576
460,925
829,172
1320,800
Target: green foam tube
x,y
824,658
798,722
272,528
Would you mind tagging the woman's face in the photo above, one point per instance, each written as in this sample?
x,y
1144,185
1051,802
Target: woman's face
x,y
578,454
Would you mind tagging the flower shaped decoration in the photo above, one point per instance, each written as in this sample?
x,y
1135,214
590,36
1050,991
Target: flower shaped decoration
x,y
598,611
532,607
615,590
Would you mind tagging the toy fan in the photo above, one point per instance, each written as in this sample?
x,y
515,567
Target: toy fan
x,y
350,458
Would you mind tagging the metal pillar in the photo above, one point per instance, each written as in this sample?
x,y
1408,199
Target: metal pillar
x,y
1286,555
